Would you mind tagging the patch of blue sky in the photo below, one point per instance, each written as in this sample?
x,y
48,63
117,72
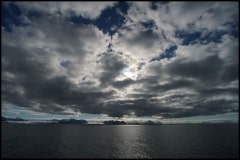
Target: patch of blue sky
x,y
169,53
80,20
188,38
109,20
207,37
148,24
154,5
233,28
10,16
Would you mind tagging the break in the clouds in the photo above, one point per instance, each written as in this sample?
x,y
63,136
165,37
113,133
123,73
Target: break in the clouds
x,y
165,60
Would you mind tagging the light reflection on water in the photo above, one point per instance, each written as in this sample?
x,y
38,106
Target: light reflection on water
x,y
131,142
111,141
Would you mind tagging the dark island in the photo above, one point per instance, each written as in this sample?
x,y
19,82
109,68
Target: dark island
x,y
71,121
12,119
114,122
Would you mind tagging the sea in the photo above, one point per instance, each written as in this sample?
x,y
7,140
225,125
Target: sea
x,y
119,141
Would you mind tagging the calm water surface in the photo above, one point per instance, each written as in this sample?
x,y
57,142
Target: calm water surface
x,y
123,141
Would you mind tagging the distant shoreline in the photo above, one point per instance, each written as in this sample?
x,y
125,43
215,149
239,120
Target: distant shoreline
x,y
233,123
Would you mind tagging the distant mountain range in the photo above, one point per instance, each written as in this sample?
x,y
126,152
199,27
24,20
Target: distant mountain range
x,y
54,121
12,119
114,122
71,121
74,121
109,122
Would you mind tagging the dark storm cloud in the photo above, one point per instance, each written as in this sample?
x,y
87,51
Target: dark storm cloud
x,y
171,85
174,106
54,95
54,66
230,73
140,107
143,107
205,70
216,91
123,83
207,108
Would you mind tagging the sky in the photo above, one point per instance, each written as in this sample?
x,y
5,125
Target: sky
x,y
134,61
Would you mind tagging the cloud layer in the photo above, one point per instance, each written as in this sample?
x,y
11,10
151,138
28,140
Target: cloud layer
x,y
168,60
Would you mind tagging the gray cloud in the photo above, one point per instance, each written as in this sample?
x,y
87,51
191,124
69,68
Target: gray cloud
x,y
111,65
146,38
84,9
